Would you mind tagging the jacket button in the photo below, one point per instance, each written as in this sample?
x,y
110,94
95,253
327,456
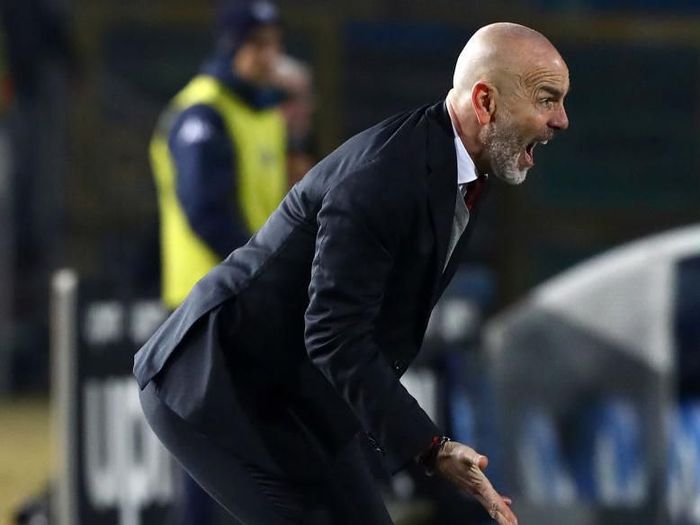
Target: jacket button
x,y
398,367
375,445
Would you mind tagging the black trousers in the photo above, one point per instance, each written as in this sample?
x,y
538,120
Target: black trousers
x,y
246,481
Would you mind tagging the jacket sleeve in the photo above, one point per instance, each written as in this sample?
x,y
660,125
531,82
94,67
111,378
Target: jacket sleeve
x,y
356,246
205,171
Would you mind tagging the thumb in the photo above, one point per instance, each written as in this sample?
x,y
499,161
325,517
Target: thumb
x,y
474,459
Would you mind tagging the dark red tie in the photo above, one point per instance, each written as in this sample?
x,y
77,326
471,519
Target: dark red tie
x,y
474,189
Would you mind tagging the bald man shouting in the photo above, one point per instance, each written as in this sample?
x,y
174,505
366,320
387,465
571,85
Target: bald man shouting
x,y
289,353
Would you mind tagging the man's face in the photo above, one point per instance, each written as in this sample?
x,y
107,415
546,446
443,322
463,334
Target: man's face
x,y
256,59
528,114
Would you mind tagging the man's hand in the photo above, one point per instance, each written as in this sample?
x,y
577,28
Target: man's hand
x,y
464,467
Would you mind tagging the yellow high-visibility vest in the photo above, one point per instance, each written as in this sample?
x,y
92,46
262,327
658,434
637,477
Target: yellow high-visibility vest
x,y
258,138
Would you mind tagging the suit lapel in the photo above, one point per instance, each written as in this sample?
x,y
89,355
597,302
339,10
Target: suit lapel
x,y
442,185
452,265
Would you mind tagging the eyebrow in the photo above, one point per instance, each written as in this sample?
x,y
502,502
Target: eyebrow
x,y
553,91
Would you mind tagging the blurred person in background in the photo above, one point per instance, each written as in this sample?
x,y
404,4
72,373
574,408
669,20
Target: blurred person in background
x,y
284,357
6,218
218,153
294,78
38,63
218,156
5,78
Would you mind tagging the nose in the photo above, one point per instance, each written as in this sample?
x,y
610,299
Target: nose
x,y
559,120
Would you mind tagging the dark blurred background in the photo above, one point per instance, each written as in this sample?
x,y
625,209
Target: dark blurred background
x,y
82,83
89,79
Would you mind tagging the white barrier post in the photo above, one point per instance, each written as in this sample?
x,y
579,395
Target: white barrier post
x,y
63,313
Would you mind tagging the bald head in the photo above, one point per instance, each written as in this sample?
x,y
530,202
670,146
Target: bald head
x,y
502,53
508,96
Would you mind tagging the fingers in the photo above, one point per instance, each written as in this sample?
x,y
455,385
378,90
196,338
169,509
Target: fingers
x,y
504,516
473,481
497,506
499,511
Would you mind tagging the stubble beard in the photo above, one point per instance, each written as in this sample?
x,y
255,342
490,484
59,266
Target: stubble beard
x,y
504,149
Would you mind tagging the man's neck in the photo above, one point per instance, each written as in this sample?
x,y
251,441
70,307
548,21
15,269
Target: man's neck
x,y
468,133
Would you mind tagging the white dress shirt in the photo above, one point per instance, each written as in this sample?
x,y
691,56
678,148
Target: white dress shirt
x,y
466,172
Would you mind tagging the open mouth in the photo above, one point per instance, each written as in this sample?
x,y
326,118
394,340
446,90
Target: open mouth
x,y
530,150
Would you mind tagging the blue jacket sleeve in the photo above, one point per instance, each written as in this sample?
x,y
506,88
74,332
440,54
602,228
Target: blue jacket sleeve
x,y
205,178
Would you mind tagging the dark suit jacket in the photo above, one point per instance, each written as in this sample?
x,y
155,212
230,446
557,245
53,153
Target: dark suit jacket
x,y
327,305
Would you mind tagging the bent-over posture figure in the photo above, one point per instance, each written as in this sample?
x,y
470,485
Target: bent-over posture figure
x,y
289,352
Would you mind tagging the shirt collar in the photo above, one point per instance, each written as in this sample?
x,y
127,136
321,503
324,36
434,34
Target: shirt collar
x,y
466,169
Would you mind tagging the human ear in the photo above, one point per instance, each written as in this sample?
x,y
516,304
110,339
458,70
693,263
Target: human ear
x,y
483,102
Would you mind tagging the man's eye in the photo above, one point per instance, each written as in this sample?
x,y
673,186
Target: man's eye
x,y
547,102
